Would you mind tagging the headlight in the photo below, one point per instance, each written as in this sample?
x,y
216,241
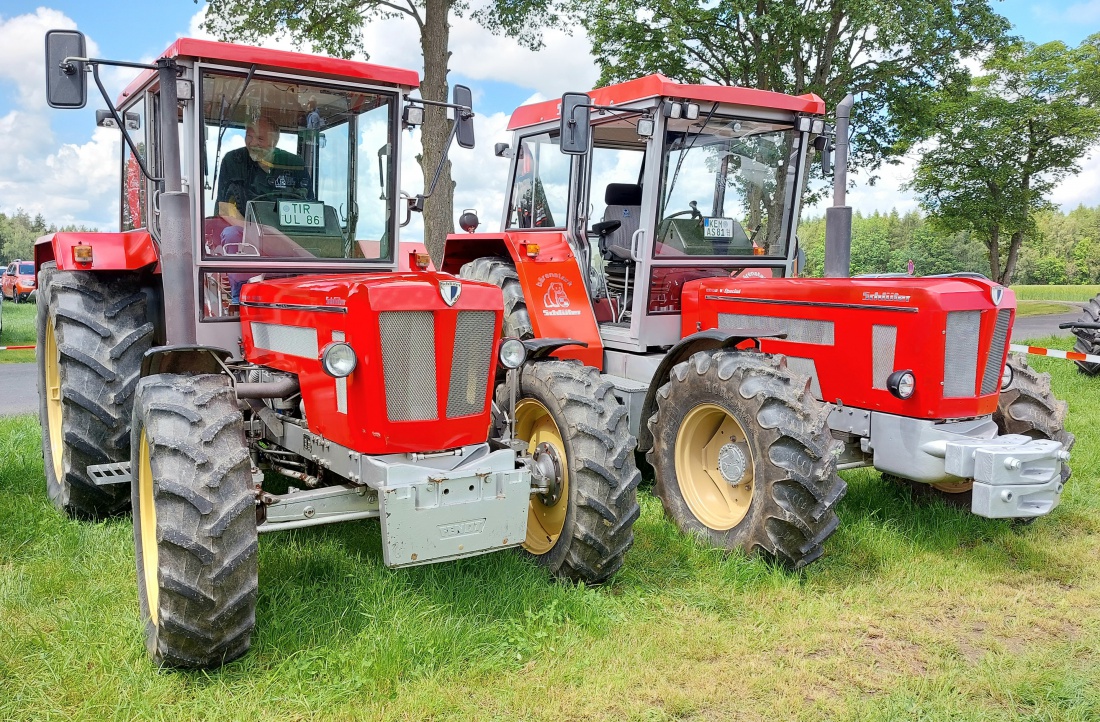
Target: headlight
x,y
902,384
1006,377
512,353
338,359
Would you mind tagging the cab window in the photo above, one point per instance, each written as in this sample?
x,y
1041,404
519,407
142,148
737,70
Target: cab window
x,y
540,191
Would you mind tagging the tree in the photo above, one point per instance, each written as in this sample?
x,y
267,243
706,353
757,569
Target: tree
x,y
892,55
1003,146
335,27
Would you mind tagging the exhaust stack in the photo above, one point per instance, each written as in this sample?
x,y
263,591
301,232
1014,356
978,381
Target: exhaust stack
x,y
838,217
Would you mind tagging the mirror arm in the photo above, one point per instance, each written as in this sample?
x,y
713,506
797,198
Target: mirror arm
x,y
114,114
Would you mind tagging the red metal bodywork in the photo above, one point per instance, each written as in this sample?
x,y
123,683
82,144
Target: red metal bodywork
x,y
917,307
125,251
553,288
652,86
350,304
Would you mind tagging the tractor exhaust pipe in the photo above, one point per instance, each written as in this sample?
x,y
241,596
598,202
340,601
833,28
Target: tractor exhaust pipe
x,y
838,217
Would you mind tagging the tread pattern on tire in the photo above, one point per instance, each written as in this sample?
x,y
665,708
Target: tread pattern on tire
x,y
1088,339
102,332
206,522
603,479
501,272
796,485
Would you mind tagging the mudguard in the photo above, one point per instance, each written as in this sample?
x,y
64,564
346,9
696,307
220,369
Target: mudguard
x,y
126,251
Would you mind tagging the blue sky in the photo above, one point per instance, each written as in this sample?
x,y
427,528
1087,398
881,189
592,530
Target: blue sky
x,y
65,168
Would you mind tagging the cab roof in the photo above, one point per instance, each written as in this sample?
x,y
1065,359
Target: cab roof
x,y
279,60
654,86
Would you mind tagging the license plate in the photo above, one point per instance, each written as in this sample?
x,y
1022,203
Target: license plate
x,y
301,214
717,228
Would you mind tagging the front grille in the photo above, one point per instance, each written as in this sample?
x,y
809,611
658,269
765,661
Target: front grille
x,y
290,340
884,341
960,362
408,363
991,378
799,330
473,352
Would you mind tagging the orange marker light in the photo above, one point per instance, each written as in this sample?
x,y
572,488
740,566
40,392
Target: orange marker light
x,y
532,250
82,253
422,261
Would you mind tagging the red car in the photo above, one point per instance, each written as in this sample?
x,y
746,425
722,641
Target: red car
x,y
18,282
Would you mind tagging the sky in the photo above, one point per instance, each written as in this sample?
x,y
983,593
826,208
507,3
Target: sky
x,y
57,163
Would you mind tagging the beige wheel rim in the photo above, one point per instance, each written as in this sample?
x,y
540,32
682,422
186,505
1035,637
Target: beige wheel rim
x,y
147,510
714,467
53,398
954,487
535,425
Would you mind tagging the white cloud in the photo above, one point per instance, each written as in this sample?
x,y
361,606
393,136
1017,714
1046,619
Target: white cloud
x,y
22,52
1081,189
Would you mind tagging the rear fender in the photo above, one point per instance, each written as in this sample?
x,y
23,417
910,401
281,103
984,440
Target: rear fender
x,y
128,251
184,359
553,286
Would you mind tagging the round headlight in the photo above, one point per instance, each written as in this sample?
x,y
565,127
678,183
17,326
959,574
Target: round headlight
x,y
338,359
1006,377
512,353
902,384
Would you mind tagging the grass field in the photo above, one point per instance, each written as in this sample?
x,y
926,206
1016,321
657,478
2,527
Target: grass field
x,y
1042,308
1055,293
18,331
916,612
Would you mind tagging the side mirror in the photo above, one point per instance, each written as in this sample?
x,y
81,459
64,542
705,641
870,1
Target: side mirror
x,y
66,83
822,144
574,130
464,119
502,150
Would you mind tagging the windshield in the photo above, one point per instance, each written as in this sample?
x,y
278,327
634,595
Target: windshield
x,y
724,186
296,171
26,269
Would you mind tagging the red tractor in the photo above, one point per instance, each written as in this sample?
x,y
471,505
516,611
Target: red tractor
x,y
246,355
655,221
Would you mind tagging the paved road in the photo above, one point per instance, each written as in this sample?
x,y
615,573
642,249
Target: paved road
x,y
18,389
1043,326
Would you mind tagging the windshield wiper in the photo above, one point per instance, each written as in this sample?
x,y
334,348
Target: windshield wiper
x,y
223,123
683,155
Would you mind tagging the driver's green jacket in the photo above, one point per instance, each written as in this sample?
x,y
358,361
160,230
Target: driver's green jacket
x,y
242,179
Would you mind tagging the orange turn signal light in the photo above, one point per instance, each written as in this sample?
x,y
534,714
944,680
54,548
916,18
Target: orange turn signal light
x,y
532,249
422,261
758,251
82,253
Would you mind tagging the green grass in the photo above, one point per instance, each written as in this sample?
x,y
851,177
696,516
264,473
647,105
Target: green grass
x,y
916,612
1055,293
1043,308
19,330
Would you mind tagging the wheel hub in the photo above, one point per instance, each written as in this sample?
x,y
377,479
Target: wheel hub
x,y
732,464
547,469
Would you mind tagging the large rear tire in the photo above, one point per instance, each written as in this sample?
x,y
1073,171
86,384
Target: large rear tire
x,y
195,531
1088,339
501,272
573,423
743,456
92,333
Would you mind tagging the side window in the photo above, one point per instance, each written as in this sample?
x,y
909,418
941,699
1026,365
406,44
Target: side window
x,y
135,188
540,192
621,166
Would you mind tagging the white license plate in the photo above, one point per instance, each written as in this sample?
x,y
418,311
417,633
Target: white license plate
x,y
301,214
717,228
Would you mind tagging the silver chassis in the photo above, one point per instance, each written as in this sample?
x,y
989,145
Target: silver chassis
x,y
1014,476
432,507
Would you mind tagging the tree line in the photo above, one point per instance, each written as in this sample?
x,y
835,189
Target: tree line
x,y
1062,248
19,231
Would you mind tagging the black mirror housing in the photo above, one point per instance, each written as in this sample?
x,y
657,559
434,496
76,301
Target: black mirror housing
x,y
464,118
574,128
502,150
66,82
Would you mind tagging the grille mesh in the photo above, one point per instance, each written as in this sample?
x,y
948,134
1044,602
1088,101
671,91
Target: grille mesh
x,y
799,330
408,363
991,378
960,362
884,341
470,359
290,340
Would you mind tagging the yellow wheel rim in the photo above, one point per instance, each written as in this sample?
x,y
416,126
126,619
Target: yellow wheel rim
x,y
954,487
53,397
148,513
714,467
535,425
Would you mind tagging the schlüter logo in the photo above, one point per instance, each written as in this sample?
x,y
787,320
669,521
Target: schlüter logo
x,y
450,291
335,301
885,296
555,300
997,293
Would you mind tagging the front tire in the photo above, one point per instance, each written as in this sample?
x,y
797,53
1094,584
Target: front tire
x,y
583,527
1088,339
743,456
195,532
92,331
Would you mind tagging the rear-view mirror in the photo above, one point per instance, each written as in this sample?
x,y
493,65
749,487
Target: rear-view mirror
x,y
66,83
574,123
464,119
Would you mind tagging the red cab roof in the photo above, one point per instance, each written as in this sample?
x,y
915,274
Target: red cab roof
x,y
265,59
652,86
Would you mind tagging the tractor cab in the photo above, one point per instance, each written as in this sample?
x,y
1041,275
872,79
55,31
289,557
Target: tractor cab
x,y
657,183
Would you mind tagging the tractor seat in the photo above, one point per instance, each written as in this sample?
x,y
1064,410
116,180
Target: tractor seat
x,y
624,204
